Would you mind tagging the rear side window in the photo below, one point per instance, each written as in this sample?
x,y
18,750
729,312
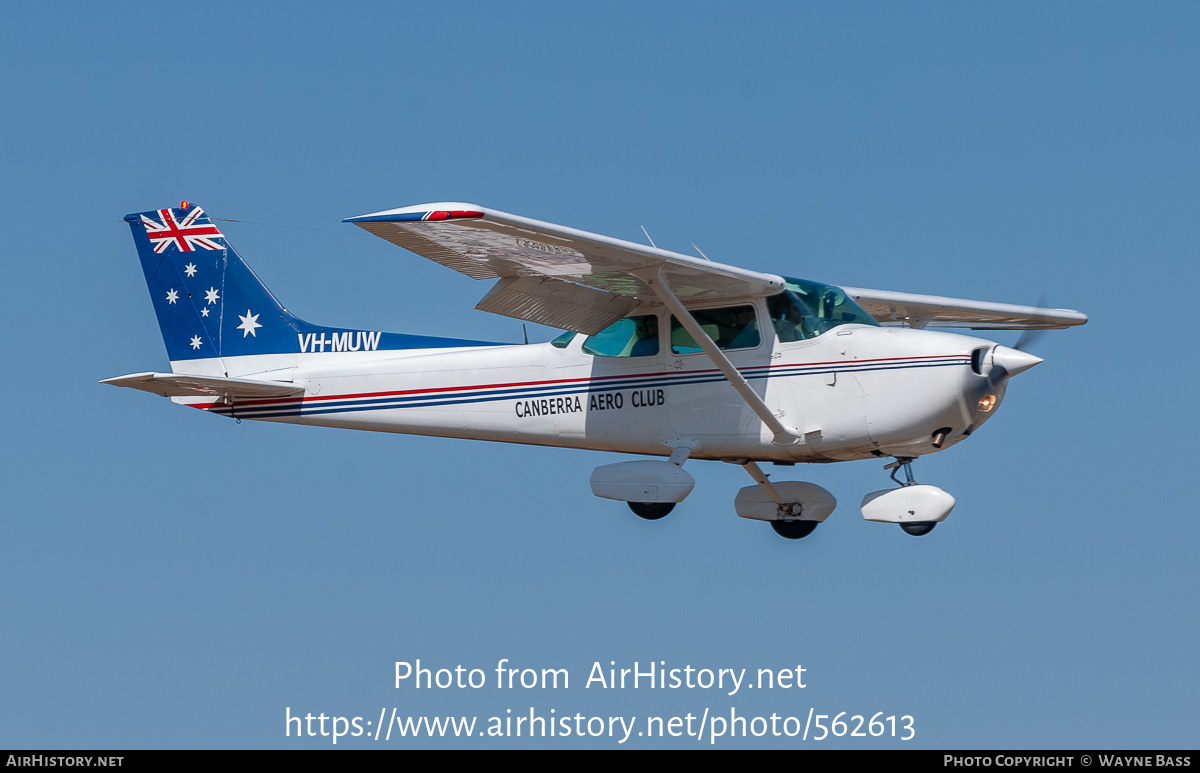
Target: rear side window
x,y
731,327
563,340
629,337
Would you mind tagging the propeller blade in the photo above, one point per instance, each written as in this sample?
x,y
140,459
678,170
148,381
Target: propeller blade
x,y
1029,336
1027,339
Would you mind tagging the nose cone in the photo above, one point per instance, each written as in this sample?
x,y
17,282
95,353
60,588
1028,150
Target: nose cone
x,y
1013,361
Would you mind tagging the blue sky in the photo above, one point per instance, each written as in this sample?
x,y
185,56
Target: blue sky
x,y
173,579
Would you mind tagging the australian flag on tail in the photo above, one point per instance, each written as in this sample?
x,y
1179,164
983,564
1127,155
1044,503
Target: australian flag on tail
x,y
210,304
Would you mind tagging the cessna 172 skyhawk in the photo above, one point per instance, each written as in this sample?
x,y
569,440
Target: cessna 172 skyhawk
x,y
665,355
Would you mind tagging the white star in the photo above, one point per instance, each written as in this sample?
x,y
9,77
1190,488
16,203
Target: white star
x,y
249,324
204,312
195,342
211,296
190,269
172,296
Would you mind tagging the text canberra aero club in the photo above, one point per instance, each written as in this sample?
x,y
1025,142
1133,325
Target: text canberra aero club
x,y
598,401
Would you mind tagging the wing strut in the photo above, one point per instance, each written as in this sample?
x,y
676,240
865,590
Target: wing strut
x,y
784,436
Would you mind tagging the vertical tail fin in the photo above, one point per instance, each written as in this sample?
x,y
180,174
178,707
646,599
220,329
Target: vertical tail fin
x,y
211,306
208,301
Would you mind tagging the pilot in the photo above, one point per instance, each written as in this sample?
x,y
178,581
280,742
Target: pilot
x,y
788,326
647,333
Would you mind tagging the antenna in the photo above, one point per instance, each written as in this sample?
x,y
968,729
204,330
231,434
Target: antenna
x,y
652,244
697,249
526,332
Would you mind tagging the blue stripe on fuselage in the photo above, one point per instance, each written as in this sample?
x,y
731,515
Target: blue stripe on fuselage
x,y
469,395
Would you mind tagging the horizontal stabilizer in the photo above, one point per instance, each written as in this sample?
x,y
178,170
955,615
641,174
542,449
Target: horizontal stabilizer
x,y
179,385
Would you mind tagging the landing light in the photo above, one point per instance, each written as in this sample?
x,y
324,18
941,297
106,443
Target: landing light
x,y
986,403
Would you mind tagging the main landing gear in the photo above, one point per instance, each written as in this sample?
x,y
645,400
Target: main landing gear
x,y
650,487
793,508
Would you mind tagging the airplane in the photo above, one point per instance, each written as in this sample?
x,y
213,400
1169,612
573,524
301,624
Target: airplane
x,y
663,355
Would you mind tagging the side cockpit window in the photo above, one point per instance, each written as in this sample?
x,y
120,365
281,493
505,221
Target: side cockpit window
x,y
807,309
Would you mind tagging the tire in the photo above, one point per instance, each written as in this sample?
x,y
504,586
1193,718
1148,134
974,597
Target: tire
x,y
651,511
793,529
918,528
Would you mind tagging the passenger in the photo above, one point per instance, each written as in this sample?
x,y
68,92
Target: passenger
x,y
747,326
647,343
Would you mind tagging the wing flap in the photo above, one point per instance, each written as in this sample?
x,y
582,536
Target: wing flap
x,y
179,385
556,303
914,310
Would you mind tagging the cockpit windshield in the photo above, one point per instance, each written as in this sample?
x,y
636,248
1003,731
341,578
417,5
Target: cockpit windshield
x,y
807,309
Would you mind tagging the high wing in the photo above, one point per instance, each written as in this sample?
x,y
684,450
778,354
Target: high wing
x,y
575,280
553,275
176,385
914,310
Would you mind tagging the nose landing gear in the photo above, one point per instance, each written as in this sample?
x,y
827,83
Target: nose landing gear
x,y
917,508
904,462
914,528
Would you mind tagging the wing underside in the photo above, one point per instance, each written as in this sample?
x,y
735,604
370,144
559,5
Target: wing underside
x,y
553,275
914,310
580,281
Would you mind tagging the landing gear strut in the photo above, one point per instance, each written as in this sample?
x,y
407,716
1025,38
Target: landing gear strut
x,y
906,463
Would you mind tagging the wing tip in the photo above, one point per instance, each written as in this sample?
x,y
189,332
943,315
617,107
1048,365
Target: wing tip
x,y
442,210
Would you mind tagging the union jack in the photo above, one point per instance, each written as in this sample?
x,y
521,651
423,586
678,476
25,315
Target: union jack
x,y
184,234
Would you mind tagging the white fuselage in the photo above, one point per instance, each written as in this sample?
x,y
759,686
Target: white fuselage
x,y
853,392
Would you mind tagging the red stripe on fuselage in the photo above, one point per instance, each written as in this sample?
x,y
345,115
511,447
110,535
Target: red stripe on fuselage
x,y
551,382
